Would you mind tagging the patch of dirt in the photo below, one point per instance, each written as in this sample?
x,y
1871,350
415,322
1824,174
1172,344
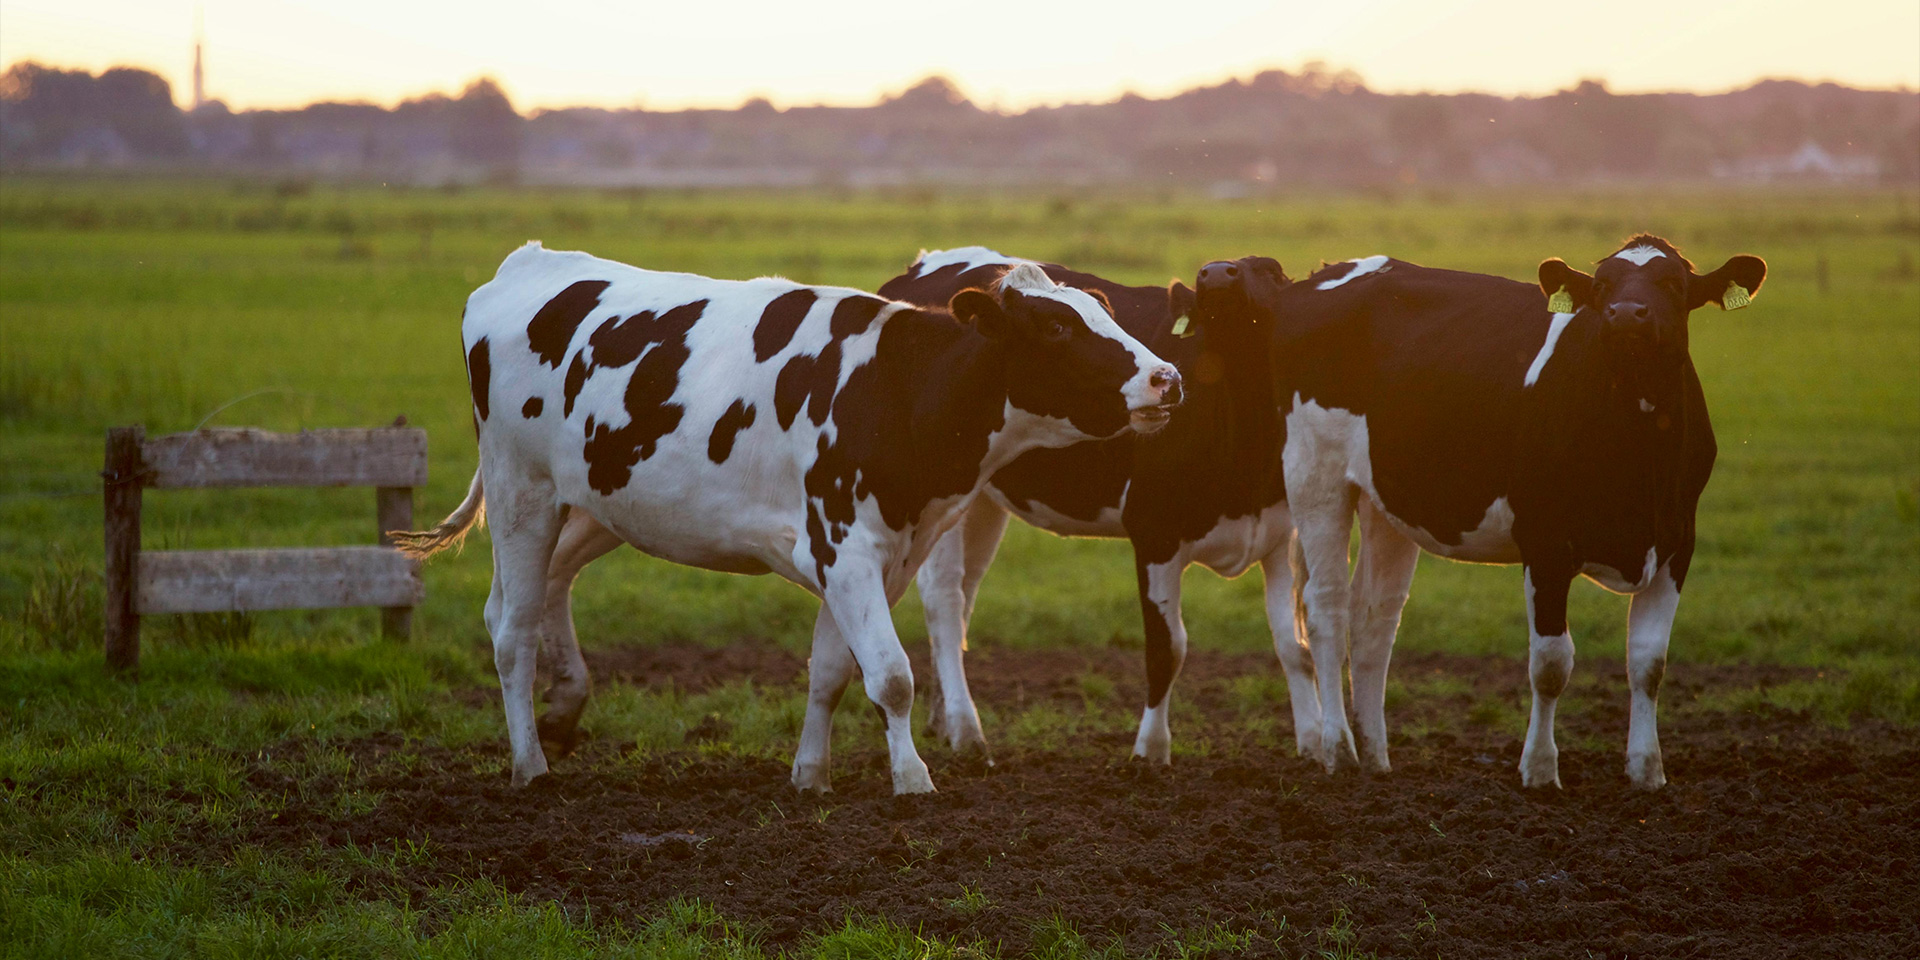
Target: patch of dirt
x,y
1776,837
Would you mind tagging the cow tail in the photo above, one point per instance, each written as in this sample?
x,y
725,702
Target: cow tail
x,y
472,512
1297,559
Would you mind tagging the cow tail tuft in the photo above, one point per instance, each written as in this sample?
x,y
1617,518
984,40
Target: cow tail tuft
x,y
472,512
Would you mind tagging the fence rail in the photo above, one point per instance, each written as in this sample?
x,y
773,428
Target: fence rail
x,y
393,460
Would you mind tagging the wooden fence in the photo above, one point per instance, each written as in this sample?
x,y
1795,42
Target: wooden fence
x,y
392,460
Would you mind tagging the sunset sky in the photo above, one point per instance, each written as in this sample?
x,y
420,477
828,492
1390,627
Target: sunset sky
x,y
276,53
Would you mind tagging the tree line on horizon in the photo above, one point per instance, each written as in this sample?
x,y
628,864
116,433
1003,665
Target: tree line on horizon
x,y
1314,126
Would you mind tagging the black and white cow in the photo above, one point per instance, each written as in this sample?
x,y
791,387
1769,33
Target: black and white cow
x,y
1471,417
1208,489
820,433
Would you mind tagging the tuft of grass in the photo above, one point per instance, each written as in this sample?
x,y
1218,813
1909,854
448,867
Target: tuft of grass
x,y
224,630
62,610
970,902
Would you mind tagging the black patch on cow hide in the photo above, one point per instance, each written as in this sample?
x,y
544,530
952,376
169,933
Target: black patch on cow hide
x,y
807,381
853,315
532,407
611,453
823,552
779,322
738,417
551,329
479,375
576,379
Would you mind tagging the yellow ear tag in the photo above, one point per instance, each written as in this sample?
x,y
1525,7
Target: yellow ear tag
x,y
1180,327
1735,297
1561,301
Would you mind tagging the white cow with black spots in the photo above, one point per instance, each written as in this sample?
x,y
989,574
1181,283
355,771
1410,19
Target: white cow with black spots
x,y
819,433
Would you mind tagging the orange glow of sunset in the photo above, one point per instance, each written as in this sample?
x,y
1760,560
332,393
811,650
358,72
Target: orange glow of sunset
x,y
280,53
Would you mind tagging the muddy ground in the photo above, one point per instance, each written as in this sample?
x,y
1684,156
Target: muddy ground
x,y
1778,836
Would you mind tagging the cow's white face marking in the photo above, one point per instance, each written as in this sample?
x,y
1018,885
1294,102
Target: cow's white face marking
x,y
1645,407
1639,256
1554,330
1361,268
970,257
1028,278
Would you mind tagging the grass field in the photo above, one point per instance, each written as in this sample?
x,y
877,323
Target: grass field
x,y
289,306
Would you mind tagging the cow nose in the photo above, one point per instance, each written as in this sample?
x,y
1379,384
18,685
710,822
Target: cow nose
x,y
1165,383
1218,275
1626,310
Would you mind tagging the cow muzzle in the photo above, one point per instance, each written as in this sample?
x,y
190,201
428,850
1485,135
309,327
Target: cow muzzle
x,y
1165,393
1217,276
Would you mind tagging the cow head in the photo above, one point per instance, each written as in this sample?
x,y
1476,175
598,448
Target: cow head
x,y
1235,294
1642,295
1067,358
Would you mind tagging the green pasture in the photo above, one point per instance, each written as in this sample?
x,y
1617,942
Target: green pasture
x,y
292,305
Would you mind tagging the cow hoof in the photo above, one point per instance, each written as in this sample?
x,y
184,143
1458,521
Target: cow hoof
x,y
1646,772
967,741
522,778
912,780
1540,774
1340,757
559,735
812,777
1306,743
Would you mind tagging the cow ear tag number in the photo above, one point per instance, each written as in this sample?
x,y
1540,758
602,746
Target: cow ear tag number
x,y
1181,328
1735,297
1561,301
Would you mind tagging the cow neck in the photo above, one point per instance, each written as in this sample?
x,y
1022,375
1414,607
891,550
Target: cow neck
x,y
1595,411
956,386
1230,384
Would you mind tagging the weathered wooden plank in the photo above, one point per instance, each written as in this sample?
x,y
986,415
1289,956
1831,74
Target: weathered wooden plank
x,y
198,581
393,510
376,457
122,475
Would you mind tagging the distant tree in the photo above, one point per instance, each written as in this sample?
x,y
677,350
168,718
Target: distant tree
x,y
935,93
485,127
43,109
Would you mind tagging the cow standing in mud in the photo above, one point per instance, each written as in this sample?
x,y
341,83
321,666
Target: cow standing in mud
x,y
1467,416
820,433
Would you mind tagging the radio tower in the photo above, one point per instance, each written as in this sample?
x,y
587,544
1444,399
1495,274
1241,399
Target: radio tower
x,y
199,74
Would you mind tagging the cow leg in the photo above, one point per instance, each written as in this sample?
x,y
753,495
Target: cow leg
x,y
1550,663
1290,642
1382,578
857,598
949,581
1166,636
1324,532
526,523
1649,625
582,541
829,669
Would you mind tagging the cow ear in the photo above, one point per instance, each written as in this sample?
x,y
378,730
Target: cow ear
x,y
978,309
1731,286
1180,299
1101,298
1556,276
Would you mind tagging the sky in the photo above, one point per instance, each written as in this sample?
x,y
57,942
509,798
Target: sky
x,y
281,53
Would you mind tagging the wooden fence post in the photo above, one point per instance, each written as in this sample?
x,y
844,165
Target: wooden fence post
x,y
125,474
393,507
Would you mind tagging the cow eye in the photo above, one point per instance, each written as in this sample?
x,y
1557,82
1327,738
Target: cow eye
x,y
1053,331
